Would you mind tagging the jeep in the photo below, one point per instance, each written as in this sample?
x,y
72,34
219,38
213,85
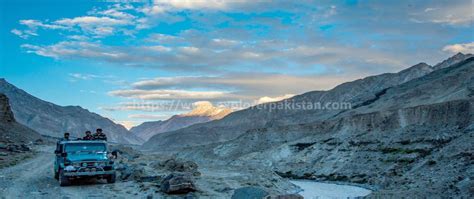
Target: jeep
x,y
82,159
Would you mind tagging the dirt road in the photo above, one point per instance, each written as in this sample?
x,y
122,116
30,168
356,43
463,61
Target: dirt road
x,y
34,179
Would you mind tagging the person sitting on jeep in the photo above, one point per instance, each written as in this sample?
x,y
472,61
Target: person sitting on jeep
x,y
65,138
99,135
88,136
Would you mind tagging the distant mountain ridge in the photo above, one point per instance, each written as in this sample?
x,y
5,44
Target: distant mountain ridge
x,y
237,123
53,120
452,60
203,112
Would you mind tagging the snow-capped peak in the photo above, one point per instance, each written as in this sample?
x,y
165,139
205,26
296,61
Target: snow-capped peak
x,y
207,109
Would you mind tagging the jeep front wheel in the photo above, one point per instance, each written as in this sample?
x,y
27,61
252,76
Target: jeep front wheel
x,y
56,175
111,178
63,180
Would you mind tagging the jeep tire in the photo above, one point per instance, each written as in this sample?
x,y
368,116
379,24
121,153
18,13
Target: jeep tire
x,y
111,178
56,175
63,180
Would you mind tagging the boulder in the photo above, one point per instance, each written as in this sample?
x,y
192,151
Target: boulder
x,y
249,193
177,165
178,183
285,196
125,171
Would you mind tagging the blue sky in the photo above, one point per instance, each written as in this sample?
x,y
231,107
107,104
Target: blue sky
x,y
109,56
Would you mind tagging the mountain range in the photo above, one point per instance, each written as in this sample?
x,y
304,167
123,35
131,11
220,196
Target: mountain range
x,y
407,135
358,93
203,112
53,120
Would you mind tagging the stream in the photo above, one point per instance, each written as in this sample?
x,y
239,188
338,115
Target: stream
x,y
321,190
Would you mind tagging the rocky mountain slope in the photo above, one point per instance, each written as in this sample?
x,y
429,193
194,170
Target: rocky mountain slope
x,y
355,93
203,112
53,120
10,130
412,140
452,60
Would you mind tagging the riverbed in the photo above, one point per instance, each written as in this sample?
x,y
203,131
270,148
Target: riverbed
x,y
321,190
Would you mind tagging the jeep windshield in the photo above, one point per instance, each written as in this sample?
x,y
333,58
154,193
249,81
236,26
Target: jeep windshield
x,y
85,148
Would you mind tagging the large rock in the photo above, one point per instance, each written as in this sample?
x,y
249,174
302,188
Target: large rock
x,y
177,165
285,196
178,183
11,131
249,193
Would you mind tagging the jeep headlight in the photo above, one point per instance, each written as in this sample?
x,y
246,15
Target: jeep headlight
x,y
84,164
102,164
69,168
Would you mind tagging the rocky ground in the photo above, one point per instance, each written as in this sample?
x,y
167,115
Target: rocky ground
x,y
419,151
11,154
141,176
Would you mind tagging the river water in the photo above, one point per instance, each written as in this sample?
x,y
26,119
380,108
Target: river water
x,y
320,190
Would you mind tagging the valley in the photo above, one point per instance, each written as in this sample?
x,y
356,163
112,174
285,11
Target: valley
x,y
408,134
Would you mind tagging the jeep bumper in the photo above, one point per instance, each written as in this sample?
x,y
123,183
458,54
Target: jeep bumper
x,y
88,173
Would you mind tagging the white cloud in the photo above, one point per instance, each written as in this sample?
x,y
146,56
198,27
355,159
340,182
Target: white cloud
x,y
430,9
331,11
460,48
157,37
148,116
189,49
98,23
162,5
22,34
150,106
452,14
98,26
78,37
267,99
225,42
158,48
76,49
153,10
113,12
34,24
233,90
92,20
168,94
251,84
79,76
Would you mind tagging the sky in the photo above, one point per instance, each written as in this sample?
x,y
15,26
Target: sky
x,y
136,61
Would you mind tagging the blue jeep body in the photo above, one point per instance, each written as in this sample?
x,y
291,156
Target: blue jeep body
x,y
82,159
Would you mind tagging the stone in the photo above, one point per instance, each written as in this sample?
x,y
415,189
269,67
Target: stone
x,y
178,183
177,165
285,196
249,193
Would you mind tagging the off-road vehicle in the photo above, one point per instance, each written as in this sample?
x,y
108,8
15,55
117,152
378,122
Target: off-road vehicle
x,y
82,159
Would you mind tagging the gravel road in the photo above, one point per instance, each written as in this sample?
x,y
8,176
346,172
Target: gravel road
x,y
34,179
